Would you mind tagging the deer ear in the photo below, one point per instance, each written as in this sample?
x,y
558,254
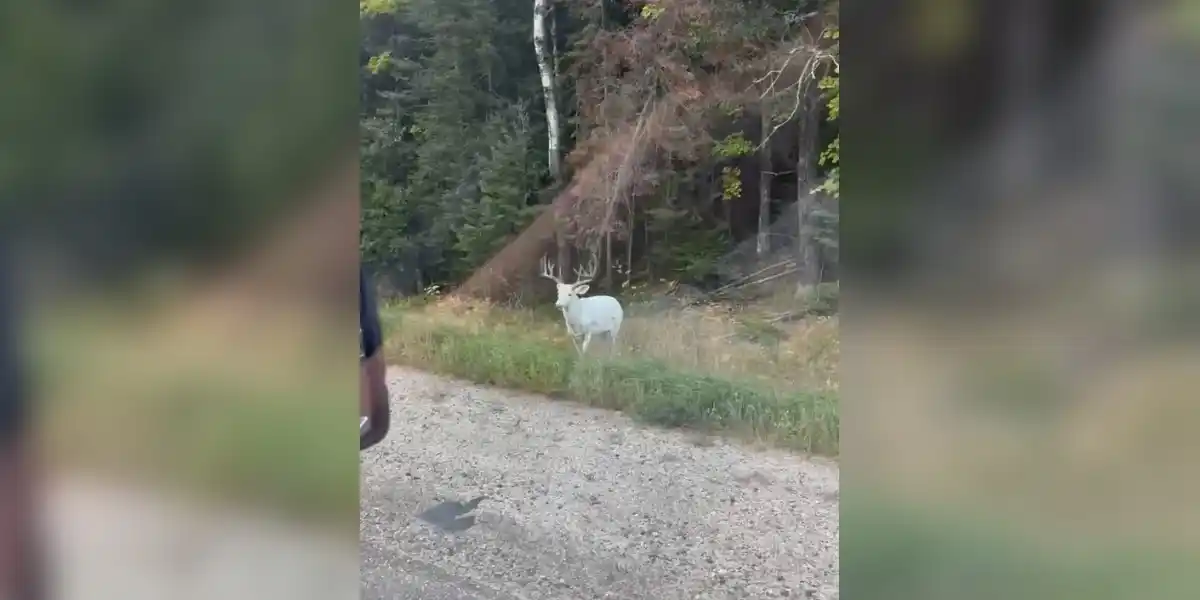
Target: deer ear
x,y
581,289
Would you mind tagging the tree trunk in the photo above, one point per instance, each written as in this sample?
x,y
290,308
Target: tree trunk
x,y
548,68
562,246
646,245
807,202
629,246
763,246
541,9
608,255
554,56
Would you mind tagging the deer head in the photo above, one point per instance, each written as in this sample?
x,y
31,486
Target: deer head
x,y
569,292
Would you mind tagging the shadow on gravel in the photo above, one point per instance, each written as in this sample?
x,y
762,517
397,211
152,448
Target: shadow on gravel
x,y
451,515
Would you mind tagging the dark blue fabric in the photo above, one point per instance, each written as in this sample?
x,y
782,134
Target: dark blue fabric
x,y
370,330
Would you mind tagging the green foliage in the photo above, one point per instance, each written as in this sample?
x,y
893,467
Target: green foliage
x,y
733,146
831,159
448,151
453,138
507,174
378,7
385,215
652,11
379,62
697,253
831,85
689,245
822,299
731,183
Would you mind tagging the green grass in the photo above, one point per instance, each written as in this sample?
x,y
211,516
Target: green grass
x,y
524,350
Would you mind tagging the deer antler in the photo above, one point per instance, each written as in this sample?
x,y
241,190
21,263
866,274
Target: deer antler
x,y
547,270
586,274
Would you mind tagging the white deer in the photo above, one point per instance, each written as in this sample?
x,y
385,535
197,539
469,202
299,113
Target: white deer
x,y
585,317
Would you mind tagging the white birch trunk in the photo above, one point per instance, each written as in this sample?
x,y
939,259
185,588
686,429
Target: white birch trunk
x,y
541,9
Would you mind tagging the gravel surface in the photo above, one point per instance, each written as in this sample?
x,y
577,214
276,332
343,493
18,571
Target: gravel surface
x,y
480,493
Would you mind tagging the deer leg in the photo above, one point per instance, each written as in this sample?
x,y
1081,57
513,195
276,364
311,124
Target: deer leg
x,y
574,338
587,339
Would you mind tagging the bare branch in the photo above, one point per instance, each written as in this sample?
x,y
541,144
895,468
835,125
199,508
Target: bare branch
x,y
775,74
808,76
787,264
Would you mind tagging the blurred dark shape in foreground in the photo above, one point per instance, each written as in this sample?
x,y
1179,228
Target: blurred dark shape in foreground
x,y
179,186
21,558
1020,301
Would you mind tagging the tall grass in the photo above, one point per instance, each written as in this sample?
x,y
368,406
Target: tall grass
x,y
695,368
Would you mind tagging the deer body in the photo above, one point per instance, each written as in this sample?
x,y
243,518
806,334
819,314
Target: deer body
x,y
585,317
590,316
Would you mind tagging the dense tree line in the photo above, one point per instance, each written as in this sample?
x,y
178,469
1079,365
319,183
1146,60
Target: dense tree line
x,y
666,134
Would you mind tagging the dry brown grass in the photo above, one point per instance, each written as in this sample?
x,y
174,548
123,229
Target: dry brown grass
x,y
801,355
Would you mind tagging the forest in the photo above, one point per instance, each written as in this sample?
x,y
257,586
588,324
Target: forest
x,y
689,141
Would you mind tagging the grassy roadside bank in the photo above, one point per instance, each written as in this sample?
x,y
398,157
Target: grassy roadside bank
x,y
698,369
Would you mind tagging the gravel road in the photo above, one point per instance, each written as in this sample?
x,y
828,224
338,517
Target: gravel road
x,y
480,493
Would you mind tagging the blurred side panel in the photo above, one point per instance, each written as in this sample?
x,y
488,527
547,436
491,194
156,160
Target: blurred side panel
x,y
1021,300
180,195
